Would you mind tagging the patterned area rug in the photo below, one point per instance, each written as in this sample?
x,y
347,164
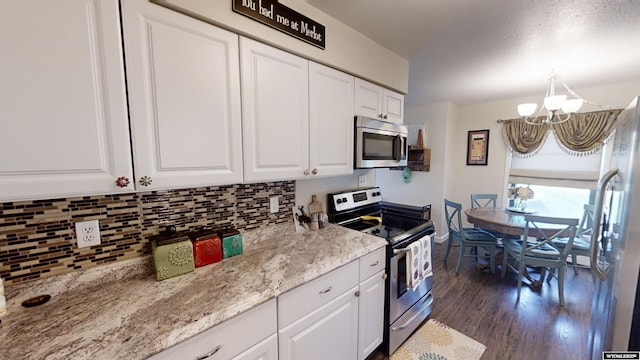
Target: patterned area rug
x,y
436,341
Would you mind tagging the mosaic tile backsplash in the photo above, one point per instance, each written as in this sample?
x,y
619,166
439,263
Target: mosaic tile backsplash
x,y
37,238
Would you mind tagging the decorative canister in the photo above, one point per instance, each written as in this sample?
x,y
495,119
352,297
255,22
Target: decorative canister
x,y
207,247
231,242
172,254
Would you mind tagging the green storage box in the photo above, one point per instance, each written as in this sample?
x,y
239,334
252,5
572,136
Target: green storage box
x,y
231,242
172,255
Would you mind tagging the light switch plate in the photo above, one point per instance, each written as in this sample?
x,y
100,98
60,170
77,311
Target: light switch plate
x,y
273,204
362,181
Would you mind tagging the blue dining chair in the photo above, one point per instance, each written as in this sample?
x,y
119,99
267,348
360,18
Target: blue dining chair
x,y
582,242
483,200
536,248
467,237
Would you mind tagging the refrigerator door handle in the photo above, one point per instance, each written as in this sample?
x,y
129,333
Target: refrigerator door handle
x,y
602,187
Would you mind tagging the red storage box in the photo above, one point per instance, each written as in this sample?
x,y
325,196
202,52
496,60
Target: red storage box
x,y
207,248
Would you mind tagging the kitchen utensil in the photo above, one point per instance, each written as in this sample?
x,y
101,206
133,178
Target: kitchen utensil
x,y
315,206
371,218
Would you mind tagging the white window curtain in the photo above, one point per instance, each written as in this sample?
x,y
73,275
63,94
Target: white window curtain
x,y
551,166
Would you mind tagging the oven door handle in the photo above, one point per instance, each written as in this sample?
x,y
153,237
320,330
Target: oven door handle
x,y
401,251
403,326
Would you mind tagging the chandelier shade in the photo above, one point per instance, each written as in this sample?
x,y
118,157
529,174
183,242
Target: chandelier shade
x,y
527,109
558,107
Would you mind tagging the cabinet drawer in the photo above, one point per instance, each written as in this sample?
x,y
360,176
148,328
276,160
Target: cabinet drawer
x,y
302,300
230,338
372,263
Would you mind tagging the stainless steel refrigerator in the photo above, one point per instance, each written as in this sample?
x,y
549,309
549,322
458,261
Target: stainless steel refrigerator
x,y
615,312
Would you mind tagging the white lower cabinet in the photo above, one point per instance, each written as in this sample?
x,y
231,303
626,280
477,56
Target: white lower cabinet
x,y
371,317
371,305
319,320
266,350
248,336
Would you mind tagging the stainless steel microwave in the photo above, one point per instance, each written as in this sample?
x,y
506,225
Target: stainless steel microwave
x,y
379,144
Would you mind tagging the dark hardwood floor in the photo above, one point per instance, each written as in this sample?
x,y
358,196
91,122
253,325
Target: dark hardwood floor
x,y
483,306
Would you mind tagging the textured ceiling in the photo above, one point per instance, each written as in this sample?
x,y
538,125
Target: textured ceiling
x,y
470,51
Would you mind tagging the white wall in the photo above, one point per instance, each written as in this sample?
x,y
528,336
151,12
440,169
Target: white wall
x,y
345,48
425,187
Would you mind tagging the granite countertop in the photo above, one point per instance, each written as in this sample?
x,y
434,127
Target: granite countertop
x,y
120,311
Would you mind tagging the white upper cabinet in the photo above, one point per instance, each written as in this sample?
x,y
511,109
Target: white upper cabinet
x,y
275,113
377,102
184,94
330,121
297,116
63,112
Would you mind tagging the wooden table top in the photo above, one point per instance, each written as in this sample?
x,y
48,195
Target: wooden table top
x,y
501,220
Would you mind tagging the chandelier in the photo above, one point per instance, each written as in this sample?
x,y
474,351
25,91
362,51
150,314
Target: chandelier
x,y
559,107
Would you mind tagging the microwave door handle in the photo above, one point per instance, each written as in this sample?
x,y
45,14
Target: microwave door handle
x,y
399,150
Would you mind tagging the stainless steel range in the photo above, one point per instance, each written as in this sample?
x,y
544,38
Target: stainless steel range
x,y
401,225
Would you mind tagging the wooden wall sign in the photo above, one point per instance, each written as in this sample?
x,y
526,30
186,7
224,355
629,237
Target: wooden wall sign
x,y
280,17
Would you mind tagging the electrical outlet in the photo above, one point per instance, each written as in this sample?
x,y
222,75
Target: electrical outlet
x,y
88,233
362,181
274,204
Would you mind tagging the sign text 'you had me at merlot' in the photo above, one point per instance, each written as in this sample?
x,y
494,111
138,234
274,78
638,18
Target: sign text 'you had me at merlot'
x,y
278,16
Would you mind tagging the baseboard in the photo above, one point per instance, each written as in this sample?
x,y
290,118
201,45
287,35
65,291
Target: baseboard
x,y
441,239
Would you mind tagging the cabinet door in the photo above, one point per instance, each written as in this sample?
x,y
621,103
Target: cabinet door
x,y
63,104
265,350
330,331
330,121
368,99
393,106
184,92
275,113
371,316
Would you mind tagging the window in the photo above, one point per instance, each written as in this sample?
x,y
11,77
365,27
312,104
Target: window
x,y
562,183
559,201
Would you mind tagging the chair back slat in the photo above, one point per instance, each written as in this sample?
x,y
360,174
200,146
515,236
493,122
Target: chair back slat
x,y
483,200
567,228
588,218
453,215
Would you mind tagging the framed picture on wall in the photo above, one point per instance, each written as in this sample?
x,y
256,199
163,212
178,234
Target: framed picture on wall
x,y
478,147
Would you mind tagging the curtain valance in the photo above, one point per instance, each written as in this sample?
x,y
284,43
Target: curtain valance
x,y
583,133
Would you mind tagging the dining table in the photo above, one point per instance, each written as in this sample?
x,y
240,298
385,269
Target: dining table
x,y
507,222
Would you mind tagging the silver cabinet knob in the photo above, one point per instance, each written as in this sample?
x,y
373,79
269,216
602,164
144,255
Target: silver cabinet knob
x,y
145,181
314,171
385,116
306,172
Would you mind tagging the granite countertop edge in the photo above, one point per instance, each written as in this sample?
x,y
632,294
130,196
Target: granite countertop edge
x,y
119,311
